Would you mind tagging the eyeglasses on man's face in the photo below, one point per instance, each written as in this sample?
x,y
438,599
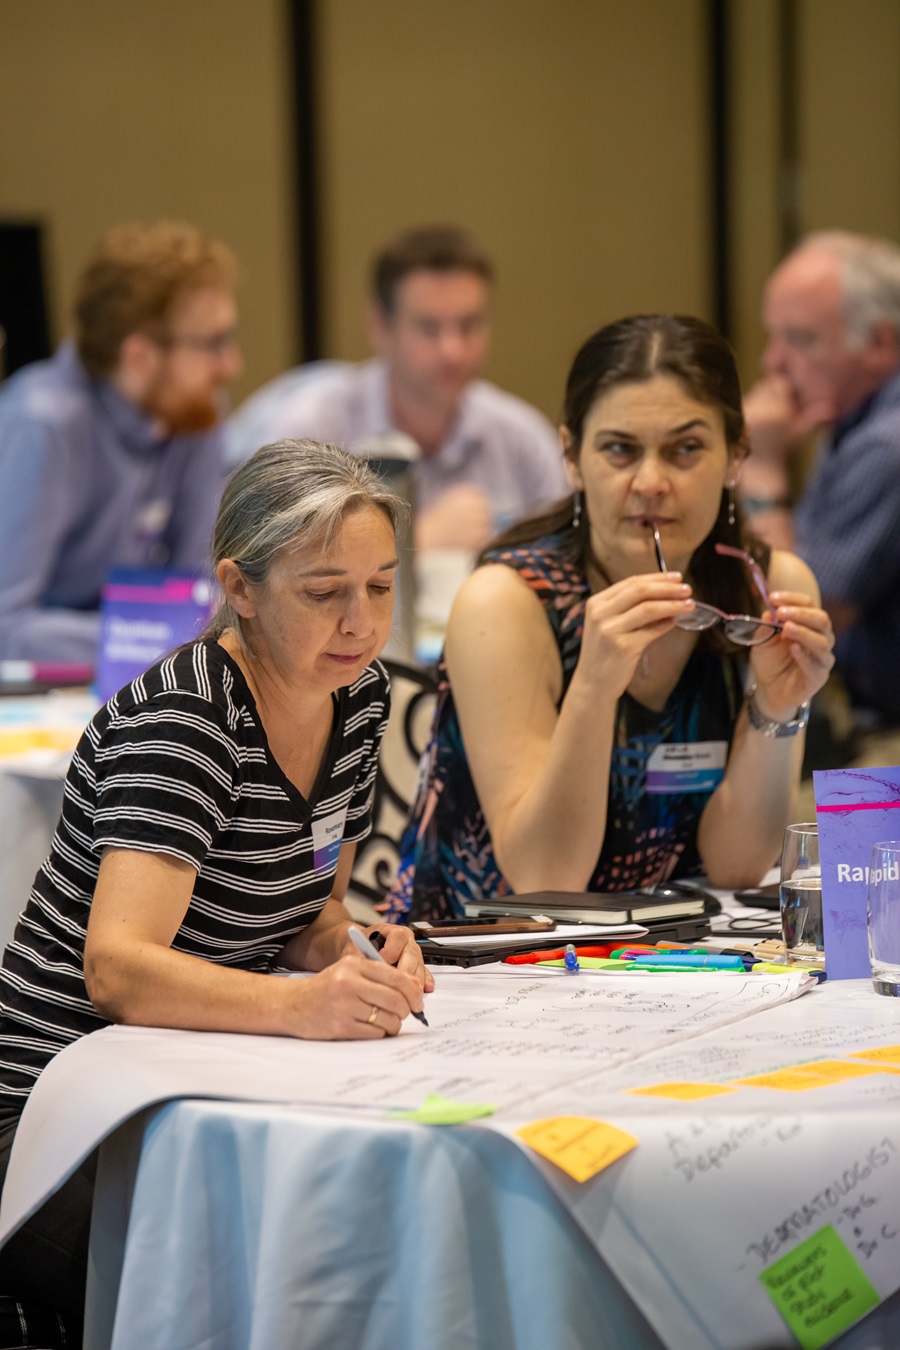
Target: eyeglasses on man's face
x,y
214,345
744,630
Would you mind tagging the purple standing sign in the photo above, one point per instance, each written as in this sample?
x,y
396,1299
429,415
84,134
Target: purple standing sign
x,y
855,808
144,613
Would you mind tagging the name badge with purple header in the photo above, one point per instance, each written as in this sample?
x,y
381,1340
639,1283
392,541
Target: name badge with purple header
x,y
328,835
698,766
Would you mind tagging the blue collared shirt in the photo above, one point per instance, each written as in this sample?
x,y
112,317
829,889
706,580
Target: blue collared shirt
x,y
86,484
848,530
498,442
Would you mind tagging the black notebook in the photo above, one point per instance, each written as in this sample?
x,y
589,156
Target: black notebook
x,y
593,907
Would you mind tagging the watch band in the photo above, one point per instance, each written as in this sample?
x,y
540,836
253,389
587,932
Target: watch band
x,y
767,726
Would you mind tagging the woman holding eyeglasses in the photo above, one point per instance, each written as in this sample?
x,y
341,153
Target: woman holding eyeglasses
x,y
626,679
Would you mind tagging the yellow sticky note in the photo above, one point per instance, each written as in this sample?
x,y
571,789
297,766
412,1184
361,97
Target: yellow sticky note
x,y
37,738
786,1080
822,1073
836,1070
579,1145
682,1092
885,1054
819,1288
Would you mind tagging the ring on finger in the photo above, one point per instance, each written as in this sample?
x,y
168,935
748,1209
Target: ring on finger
x,y
372,1015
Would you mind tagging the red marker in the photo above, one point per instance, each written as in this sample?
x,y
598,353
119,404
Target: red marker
x,y
558,954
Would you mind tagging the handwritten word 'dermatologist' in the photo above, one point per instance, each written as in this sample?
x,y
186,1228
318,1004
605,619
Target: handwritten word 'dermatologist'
x,y
830,1198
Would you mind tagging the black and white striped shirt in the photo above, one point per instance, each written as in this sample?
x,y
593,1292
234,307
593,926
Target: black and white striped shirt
x,y
178,763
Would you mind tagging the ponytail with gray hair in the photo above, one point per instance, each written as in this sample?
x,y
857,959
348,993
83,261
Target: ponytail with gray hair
x,y
291,494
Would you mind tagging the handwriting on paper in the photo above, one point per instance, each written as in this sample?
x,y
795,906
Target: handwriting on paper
x,y
838,1199
694,1158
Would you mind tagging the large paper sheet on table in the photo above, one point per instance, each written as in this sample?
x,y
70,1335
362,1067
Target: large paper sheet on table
x,y
39,733
723,1185
490,1039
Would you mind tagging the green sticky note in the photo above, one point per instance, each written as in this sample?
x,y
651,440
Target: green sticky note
x,y
437,1110
819,1288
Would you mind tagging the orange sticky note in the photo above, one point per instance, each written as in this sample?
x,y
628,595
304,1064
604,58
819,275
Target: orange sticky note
x,y
886,1054
682,1092
37,738
801,1077
836,1070
786,1080
577,1144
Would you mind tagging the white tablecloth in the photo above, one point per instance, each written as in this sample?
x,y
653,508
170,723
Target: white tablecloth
x,y
301,1224
260,1227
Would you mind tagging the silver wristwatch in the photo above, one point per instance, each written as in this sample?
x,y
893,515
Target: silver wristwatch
x,y
767,725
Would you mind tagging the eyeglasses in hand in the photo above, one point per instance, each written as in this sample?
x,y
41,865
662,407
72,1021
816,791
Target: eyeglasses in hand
x,y
742,629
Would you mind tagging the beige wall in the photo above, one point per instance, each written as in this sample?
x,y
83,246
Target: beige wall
x,y
850,101
756,185
111,110
848,107
571,137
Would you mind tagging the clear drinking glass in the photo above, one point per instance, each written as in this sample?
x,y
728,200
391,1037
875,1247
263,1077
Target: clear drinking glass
x,y
801,893
884,916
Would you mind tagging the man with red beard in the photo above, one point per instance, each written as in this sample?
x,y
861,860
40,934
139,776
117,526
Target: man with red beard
x,y
110,452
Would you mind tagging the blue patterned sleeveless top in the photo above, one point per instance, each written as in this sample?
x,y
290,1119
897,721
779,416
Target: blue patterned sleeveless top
x,y
665,766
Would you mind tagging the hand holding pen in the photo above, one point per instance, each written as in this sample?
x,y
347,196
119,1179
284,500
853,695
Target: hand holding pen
x,y
399,948
367,948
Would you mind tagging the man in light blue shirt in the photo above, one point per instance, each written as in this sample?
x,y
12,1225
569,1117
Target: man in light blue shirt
x,y
110,452
487,457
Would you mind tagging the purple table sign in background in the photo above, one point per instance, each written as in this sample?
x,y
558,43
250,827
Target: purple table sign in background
x,y
855,808
144,613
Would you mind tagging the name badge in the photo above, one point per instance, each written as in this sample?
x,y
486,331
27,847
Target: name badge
x,y
696,767
327,833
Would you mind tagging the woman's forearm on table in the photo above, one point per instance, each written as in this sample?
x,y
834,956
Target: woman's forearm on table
x,y
742,827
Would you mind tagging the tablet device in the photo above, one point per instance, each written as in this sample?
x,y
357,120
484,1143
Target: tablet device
x,y
760,897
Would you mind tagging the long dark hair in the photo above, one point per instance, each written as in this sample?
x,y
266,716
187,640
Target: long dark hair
x,y
634,350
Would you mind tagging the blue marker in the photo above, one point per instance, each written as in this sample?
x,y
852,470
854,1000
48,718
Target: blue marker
x,y
571,958
691,961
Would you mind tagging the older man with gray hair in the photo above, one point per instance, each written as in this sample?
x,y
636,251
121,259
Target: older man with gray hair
x,y
832,362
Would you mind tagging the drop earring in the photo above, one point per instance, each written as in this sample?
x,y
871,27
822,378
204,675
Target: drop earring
x,y
576,512
732,515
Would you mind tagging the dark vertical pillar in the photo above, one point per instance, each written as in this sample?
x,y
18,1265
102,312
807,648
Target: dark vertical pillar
x,y
789,222
303,66
719,116
24,326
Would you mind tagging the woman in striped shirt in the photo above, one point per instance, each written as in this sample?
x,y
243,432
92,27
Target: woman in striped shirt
x,y
210,819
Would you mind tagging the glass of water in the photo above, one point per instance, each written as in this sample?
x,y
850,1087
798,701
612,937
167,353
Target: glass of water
x,y
884,916
801,893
